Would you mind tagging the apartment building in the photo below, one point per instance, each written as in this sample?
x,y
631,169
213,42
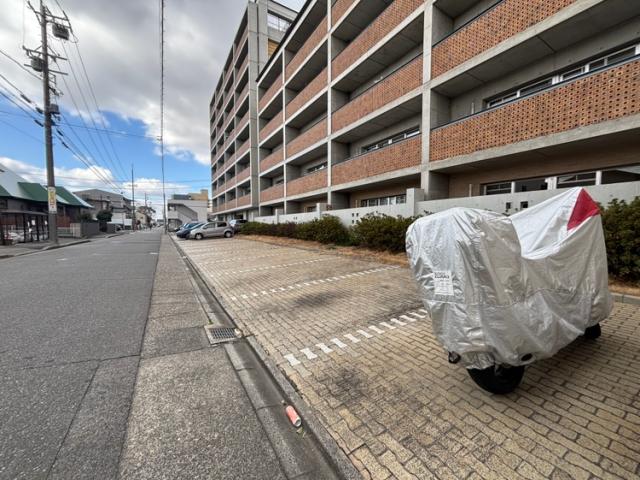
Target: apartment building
x,y
410,105
233,115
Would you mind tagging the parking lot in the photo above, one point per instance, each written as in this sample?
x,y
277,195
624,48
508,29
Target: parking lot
x,y
352,337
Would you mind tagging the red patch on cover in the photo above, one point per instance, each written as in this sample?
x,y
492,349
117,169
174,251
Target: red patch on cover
x,y
584,208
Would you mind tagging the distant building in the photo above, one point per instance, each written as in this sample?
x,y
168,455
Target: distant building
x,y
119,205
233,115
185,208
24,208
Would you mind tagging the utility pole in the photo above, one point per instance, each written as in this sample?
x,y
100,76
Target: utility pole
x,y
48,141
164,196
133,202
40,63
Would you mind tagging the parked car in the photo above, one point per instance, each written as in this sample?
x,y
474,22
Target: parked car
x,y
212,229
237,223
185,229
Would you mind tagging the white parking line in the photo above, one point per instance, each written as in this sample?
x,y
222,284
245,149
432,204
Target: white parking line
x,y
324,349
308,353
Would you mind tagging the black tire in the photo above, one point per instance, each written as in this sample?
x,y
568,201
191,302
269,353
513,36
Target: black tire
x,y
198,236
227,234
591,333
497,379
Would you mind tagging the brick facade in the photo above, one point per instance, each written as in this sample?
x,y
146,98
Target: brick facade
x,y
390,18
339,9
273,124
272,159
272,193
315,39
307,93
507,19
307,183
603,96
399,83
308,138
394,157
275,87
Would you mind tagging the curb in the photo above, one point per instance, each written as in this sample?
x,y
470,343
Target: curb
x,y
332,451
624,298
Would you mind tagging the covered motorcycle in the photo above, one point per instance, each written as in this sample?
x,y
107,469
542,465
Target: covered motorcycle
x,y
503,292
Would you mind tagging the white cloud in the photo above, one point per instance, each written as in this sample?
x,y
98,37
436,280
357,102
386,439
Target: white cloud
x,y
119,42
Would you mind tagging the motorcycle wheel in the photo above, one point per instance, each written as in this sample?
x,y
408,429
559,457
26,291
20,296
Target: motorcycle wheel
x,y
592,333
497,379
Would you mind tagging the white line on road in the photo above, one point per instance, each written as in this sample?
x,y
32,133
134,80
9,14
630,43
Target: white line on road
x,y
339,343
293,361
308,353
397,322
365,334
352,338
386,325
324,348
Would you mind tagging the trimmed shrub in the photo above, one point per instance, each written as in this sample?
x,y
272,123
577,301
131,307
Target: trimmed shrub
x,y
382,232
621,222
328,229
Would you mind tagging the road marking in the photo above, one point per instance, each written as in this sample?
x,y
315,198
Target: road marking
x,y
293,361
408,319
417,315
352,338
62,259
308,353
324,348
316,282
365,334
339,343
153,253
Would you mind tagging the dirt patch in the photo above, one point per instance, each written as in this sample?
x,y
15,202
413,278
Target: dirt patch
x,y
357,252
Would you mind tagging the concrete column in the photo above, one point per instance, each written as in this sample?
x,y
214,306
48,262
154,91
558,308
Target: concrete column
x,y
426,92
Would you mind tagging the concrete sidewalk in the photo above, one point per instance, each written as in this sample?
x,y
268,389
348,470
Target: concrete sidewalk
x,y
201,411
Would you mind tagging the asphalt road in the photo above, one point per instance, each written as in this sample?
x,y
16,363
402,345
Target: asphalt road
x,y
71,327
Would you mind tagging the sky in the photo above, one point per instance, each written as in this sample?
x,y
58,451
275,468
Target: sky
x,y
117,43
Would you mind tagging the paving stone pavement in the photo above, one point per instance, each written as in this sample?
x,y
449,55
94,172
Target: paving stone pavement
x,y
350,335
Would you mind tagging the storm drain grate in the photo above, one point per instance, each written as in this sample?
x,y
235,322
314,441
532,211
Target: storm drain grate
x,y
221,334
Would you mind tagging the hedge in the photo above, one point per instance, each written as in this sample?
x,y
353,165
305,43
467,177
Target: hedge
x,y
620,220
621,223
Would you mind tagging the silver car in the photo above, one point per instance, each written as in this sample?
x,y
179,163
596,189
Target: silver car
x,y
212,229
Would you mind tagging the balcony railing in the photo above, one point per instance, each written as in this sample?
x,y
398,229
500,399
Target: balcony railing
x,y
244,148
307,138
242,95
396,156
384,24
315,39
495,25
311,90
308,183
244,200
597,98
275,87
273,124
402,81
272,159
272,193
243,175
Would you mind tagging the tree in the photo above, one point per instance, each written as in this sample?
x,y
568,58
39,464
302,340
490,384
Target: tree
x,y
104,216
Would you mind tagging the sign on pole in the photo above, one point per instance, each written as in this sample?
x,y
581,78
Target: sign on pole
x,y
53,205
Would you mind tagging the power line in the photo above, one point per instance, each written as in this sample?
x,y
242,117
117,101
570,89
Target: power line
x,y
19,64
86,104
109,132
21,131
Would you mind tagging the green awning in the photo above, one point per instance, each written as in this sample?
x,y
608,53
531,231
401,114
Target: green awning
x,y
70,198
4,192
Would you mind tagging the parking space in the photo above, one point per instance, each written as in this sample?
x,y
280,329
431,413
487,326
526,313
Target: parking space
x,y
352,337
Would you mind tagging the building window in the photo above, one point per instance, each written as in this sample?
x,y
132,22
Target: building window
x,y
574,72
412,132
315,168
577,180
497,188
381,201
310,209
277,22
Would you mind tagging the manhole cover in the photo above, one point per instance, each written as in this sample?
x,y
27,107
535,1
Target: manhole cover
x,y
221,334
